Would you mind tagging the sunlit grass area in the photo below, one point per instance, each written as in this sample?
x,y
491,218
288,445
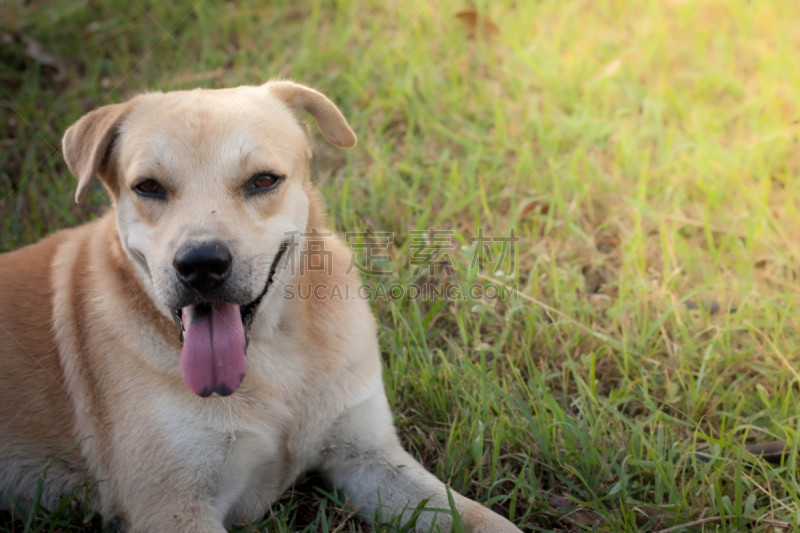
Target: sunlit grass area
x,y
646,156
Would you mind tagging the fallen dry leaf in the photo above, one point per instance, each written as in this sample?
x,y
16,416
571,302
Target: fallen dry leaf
x,y
573,512
36,51
477,24
610,69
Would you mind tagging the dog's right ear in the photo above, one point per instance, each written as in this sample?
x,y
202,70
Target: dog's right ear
x,y
87,142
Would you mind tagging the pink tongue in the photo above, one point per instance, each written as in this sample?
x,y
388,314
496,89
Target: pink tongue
x,y
213,355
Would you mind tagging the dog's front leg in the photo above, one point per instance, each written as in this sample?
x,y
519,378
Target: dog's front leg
x,y
363,457
175,516
167,482
165,506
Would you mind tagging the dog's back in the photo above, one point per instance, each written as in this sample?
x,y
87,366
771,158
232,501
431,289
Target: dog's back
x,y
36,417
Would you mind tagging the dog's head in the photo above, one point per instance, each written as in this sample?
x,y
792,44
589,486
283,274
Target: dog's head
x,y
208,186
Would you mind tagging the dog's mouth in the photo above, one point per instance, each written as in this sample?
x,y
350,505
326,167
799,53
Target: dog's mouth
x,y
214,338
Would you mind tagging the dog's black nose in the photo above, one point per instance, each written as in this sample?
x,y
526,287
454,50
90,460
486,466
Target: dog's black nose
x,y
203,266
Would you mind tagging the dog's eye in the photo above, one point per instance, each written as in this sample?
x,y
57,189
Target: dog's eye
x,y
150,188
266,181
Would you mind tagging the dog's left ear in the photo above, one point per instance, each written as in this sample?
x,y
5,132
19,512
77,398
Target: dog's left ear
x,y
329,119
87,142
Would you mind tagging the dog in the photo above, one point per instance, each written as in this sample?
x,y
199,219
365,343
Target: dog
x,y
152,352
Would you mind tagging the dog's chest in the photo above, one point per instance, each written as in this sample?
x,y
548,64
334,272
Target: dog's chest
x,y
252,475
243,461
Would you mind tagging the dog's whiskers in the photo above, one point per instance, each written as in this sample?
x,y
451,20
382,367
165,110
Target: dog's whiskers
x,y
230,414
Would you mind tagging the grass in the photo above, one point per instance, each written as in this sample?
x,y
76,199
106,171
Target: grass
x,y
646,155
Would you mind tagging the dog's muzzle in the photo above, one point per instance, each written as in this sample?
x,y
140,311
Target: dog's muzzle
x,y
214,334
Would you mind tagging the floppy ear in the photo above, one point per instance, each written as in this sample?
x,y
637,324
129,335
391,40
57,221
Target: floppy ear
x,y
329,119
86,143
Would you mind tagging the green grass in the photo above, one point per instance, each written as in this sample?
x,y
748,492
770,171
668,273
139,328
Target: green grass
x,y
646,154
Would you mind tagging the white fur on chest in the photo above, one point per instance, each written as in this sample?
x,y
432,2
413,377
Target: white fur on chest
x,y
240,461
250,477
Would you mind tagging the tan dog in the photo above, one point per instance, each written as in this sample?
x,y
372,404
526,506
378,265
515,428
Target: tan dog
x,y
153,350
